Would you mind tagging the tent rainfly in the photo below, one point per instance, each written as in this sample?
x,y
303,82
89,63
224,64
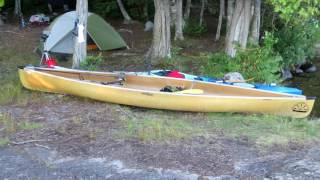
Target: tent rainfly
x,y
61,38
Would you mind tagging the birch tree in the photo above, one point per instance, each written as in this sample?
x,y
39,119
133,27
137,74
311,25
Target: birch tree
x,y
80,47
230,10
239,28
127,18
203,7
255,24
221,15
17,8
179,21
161,44
186,15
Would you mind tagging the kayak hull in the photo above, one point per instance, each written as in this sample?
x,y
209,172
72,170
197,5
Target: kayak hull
x,y
294,106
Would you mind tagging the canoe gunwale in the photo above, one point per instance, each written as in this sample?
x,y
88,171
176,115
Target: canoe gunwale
x,y
160,77
299,97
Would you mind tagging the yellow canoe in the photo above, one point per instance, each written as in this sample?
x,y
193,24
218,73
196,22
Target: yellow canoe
x,y
144,91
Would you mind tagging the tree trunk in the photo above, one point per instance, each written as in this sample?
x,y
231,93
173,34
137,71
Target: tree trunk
x,y
17,8
1,22
80,47
246,19
173,12
221,15
187,10
179,21
203,6
161,43
125,15
255,27
145,11
230,10
239,27
234,30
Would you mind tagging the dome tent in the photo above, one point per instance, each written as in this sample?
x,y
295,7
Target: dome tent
x,y
61,39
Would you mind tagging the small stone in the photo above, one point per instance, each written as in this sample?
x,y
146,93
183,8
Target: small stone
x,y
309,68
298,71
233,76
148,26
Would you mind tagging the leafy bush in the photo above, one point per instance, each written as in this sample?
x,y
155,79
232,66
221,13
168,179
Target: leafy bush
x,y
91,63
297,42
105,8
192,28
260,63
110,8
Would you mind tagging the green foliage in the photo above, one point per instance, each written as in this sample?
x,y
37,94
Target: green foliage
x,y
192,28
110,8
296,10
297,42
260,63
91,63
105,8
135,7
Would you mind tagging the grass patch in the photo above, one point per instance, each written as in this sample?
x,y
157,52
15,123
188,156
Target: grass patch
x,y
261,130
11,88
4,141
29,125
7,124
266,130
159,129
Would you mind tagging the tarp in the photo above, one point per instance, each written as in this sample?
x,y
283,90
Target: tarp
x,y
61,38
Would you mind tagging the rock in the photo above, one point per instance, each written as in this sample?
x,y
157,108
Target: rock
x,y
258,167
233,76
222,177
308,67
311,69
297,71
148,26
282,176
286,74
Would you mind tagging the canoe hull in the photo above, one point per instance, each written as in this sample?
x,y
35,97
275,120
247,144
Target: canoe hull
x,y
294,107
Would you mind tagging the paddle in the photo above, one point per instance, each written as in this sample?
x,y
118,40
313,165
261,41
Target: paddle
x,y
190,91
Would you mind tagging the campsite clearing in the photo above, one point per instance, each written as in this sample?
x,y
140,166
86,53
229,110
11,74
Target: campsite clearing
x,y
80,131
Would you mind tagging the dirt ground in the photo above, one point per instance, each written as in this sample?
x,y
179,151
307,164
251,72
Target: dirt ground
x,y
78,137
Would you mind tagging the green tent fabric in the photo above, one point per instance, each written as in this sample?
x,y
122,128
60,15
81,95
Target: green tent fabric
x,y
61,39
97,27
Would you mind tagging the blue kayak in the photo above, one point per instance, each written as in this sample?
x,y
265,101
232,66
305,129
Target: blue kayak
x,y
267,87
280,89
